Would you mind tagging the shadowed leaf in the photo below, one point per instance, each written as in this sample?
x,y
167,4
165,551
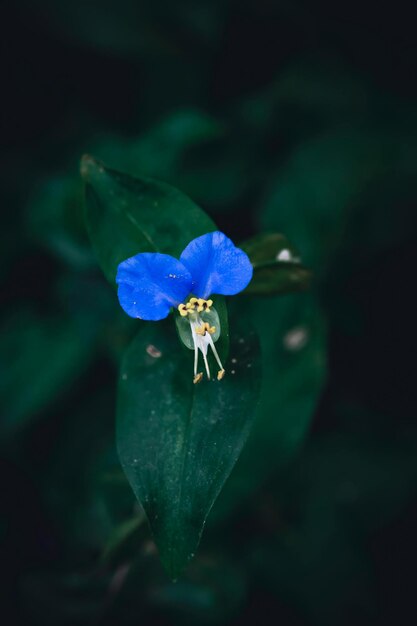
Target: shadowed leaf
x,y
178,442
277,266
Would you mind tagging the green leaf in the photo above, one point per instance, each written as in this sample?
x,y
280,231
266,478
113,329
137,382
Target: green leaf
x,y
331,178
127,215
293,340
178,442
276,264
191,150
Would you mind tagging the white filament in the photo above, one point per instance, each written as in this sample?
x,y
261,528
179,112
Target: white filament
x,y
202,342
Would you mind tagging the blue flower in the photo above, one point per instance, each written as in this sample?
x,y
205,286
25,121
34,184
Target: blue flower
x,y
150,284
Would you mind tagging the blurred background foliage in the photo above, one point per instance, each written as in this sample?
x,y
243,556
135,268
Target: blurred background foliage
x,y
275,117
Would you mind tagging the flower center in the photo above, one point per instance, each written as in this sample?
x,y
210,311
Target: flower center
x,y
195,305
204,324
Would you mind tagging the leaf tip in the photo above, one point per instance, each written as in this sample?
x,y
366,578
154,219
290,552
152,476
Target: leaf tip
x,y
89,166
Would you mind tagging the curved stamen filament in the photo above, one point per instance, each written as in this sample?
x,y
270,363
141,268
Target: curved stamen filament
x,y
201,333
216,355
195,362
206,364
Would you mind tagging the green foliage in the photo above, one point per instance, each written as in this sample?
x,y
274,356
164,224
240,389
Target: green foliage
x,y
335,512
177,441
293,342
55,219
341,178
276,264
27,338
190,149
288,135
126,215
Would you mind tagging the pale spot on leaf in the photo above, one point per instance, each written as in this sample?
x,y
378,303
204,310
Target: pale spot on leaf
x,y
153,351
296,339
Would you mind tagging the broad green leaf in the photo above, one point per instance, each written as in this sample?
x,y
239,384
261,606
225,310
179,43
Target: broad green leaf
x,y
127,215
178,442
276,264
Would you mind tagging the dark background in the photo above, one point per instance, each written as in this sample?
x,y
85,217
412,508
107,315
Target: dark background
x,y
296,117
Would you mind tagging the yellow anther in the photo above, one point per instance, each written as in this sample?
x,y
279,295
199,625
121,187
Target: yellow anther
x,y
204,305
197,378
220,374
205,328
201,305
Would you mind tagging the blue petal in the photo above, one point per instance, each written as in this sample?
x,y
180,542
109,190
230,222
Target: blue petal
x,y
216,265
151,283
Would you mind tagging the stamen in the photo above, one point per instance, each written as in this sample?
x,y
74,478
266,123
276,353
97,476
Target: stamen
x,y
201,332
207,365
195,360
193,304
221,373
204,305
205,327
